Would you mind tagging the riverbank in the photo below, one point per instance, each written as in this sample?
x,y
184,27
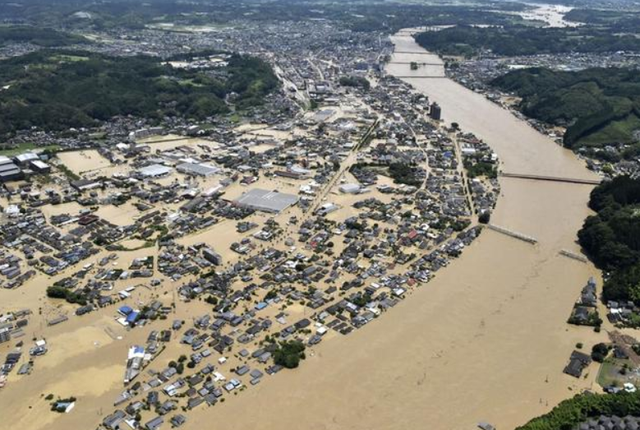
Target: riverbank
x,y
487,338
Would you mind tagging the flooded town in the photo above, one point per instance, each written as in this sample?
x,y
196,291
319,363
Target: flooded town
x,y
383,241
189,253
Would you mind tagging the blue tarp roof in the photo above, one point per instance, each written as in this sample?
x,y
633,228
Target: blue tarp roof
x,y
132,317
125,310
261,306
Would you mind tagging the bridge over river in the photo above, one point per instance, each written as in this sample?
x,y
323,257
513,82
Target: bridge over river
x,y
486,339
582,181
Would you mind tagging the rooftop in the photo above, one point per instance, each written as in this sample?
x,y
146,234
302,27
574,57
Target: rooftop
x,y
267,201
197,169
155,170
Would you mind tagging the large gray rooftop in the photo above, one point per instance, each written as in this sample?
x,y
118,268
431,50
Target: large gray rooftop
x,y
155,170
197,169
267,201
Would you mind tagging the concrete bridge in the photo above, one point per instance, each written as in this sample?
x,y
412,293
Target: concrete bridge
x,y
420,77
416,62
514,234
552,179
416,53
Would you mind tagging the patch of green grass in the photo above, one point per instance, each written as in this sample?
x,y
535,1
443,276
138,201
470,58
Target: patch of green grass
x,y
62,58
98,136
24,147
68,173
617,131
609,373
190,82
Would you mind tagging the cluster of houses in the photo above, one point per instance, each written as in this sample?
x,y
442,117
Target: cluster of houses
x,y
381,205
621,311
585,310
610,422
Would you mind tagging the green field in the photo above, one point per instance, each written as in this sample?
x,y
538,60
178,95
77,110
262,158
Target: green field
x,y
609,373
11,152
616,131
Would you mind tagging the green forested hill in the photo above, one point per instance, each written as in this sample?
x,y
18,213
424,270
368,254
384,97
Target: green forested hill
x,y
612,236
510,40
45,37
599,106
58,90
371,15
617,21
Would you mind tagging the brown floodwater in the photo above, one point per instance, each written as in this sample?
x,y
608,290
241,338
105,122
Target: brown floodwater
x,y
487,339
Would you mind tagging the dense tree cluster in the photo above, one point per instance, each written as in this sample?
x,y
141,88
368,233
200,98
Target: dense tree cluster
x,y
57,292
568,414
56,90
618,21
403,173
612,236
599,106
356,15
45,37
355,81
514,40
250,78
480,168
599,352
289,354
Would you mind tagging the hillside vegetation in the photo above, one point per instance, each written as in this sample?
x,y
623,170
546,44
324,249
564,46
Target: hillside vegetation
x,y
598,106
44,37
58,90
372,15
612,236
514,40
617,21
568,414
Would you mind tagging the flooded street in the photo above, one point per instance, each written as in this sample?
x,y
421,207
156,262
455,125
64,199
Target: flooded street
x,y
487,339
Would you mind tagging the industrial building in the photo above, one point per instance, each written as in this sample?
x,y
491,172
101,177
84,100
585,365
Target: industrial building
x,y
198,169
5,335
435,112
26,158
40,166
155,171
211,256
349,188
266,201
145,133
294,172
86,184
8,170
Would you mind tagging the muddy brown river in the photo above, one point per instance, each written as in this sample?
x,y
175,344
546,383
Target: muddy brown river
x,y
487,339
